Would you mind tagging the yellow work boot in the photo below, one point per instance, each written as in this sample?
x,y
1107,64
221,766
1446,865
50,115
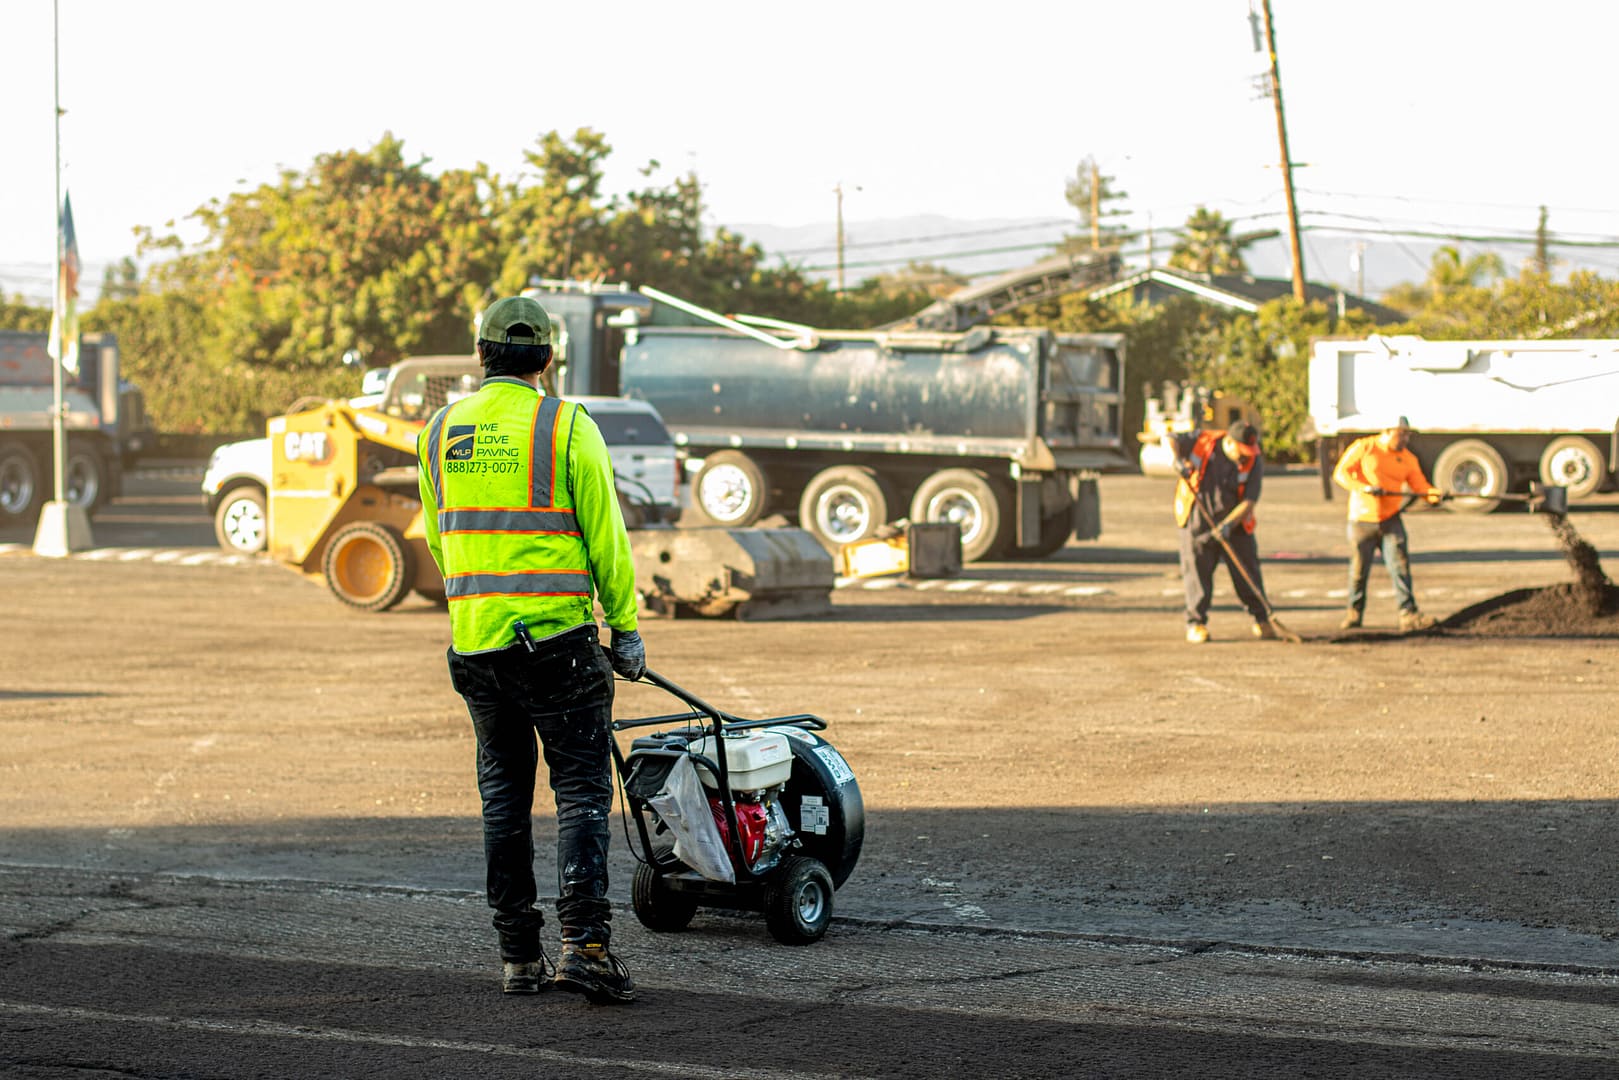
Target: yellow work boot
x,y
1411,621
1351,620
1197,633
1265,630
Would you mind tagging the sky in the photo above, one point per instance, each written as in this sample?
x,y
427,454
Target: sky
x,y
1413,115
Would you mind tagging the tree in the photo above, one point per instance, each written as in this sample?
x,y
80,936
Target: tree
x,y
1091,193
1206,245
17,313
1449,272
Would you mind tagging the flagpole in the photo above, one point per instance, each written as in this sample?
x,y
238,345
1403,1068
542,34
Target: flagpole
x,y
63,529
59,319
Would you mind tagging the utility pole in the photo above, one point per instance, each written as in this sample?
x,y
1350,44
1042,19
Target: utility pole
x,y
1287,158
1543,260
1096,207
838,188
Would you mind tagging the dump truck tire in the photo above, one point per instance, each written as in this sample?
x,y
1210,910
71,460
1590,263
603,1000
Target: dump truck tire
x,y
1475,471
966,497
843,504
20,484
85,483
1054,533
368,566
1573,462
731,489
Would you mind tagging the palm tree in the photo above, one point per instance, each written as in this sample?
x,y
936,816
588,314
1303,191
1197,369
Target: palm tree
x,y
1206,245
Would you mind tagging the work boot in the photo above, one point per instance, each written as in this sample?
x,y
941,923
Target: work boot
x,y
594,972
526,978
1351,620
1411,621
1265,630
1196,633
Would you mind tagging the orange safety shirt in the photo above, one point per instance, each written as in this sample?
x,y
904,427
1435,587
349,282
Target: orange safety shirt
x,y
1369,463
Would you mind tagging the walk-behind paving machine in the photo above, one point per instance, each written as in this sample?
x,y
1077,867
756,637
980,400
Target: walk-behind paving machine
x,y
757,815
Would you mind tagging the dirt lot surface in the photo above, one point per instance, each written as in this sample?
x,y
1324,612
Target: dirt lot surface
x,y
235,815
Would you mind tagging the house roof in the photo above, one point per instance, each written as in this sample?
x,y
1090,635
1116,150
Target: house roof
x,y
1238,291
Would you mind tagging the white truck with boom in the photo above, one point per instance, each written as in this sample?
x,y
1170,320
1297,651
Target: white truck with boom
x,y
1490,416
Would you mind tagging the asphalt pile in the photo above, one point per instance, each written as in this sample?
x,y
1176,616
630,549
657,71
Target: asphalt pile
x,y
1584,607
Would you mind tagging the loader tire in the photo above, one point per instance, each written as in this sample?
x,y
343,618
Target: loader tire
x,y
368,566
657,906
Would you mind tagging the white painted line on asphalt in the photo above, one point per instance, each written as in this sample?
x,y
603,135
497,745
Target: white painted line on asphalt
x,y
167,556
7,549
961,586
1045,587
99,554
1000,586
133,554
270,1029
1337,594
883,583
1085,590
924,585
1294,594
199,558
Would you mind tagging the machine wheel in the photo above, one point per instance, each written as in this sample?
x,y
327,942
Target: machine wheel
x,y
241,524
85,483
1054,533
966,497
1573,462
19,483
1473,468
730,490
798,901
659,907
368,566
843,504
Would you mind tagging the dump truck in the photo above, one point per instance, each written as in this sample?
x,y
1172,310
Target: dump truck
x,y
1490,417
344,507
105,422
1001,430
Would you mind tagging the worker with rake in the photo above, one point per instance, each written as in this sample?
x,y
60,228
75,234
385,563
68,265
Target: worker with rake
x,y
1221,474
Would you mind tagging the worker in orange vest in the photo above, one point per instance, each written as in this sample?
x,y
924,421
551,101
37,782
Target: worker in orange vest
x,y
1224,471
1376,471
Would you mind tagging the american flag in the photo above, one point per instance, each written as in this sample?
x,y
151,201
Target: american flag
x,y
65,316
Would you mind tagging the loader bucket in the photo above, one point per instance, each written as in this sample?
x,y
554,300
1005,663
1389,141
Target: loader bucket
x,y
749,573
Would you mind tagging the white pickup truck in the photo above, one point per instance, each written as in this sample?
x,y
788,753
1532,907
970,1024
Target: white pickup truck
x,y
645,462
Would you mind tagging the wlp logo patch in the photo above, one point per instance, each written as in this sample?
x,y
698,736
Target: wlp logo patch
x,y
459,445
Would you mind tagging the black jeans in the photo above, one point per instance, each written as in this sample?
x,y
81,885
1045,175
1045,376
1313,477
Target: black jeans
x,y
1198,561
563,692
1365,537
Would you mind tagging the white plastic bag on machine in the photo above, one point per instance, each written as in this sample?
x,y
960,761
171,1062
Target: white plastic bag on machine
x,y
683,806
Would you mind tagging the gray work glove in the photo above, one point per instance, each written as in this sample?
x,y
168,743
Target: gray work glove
x,y
629,654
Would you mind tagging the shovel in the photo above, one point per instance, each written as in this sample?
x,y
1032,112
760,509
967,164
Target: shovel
x,y
1236,564
1542,498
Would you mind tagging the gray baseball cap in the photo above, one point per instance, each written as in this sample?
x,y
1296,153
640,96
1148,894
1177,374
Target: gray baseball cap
x,y
516,320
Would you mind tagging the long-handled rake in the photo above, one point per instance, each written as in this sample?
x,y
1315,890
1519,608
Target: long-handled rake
x,y
1236,564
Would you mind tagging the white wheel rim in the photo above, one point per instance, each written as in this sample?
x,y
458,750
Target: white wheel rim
x,y
957,507
82,485
1471,477
726,492
843,514
16,485
1571,467
244,525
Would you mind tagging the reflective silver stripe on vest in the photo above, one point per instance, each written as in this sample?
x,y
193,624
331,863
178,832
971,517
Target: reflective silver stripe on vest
x,y
522,583
541,466
430,461
508,521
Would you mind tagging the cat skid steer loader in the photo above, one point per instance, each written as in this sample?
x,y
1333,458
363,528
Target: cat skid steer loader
x,y
344,507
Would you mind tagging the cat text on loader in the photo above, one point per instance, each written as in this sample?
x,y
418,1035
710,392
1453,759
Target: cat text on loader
x,y
344,506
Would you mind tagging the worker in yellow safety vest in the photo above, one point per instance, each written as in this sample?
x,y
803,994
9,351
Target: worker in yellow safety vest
x,y
1221,475
522,517
1376,471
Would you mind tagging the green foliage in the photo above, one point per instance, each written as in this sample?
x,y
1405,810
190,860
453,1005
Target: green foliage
x,y
1092,194
1529,306
18,314
1206,245
1265,358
